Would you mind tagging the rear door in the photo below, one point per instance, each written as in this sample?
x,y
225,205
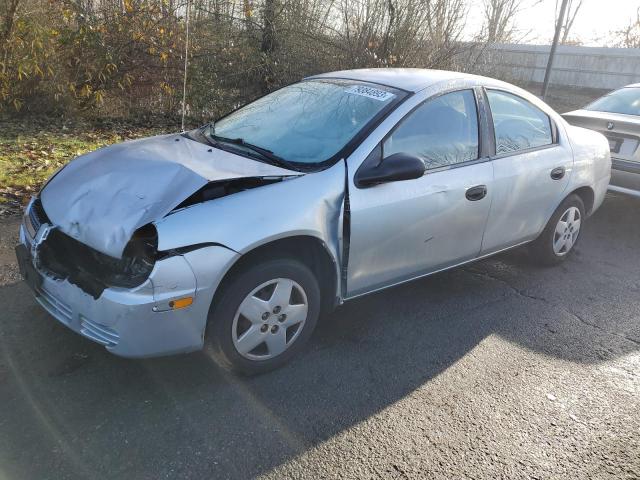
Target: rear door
x,y
532,165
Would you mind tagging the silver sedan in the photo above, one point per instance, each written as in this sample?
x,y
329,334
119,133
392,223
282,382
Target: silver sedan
x,y
238,235
617,116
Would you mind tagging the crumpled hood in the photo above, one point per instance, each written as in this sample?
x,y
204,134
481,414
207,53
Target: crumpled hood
x,y
102,197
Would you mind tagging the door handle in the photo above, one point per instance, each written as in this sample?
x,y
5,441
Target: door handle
x,y
476,193
557,173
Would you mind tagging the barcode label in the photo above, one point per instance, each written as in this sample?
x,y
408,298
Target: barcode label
x,y
370,92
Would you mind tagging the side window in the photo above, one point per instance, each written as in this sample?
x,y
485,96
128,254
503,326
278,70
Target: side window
x,y
442,131
517,123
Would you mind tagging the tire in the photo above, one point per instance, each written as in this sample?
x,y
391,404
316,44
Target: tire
x,y
252,307
561,234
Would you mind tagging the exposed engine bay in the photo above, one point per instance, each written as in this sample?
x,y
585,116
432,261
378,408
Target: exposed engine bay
x,y
66,258
219,189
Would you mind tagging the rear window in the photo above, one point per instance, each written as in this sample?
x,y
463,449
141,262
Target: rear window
x,y
625,101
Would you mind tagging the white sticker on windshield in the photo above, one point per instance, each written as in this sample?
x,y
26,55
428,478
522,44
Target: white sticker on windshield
x,y
370,92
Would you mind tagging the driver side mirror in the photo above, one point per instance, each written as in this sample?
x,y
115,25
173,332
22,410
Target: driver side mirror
x,y
399,166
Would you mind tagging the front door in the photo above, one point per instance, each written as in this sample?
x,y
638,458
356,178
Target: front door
x,y
401,230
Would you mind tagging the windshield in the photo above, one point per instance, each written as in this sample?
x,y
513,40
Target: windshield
x,y
625,100
309,122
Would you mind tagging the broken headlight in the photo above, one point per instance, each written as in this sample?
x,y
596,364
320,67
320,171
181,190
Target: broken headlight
x,y
93,271
137,260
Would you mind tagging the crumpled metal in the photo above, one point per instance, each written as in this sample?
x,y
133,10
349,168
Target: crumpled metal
x,y
102,197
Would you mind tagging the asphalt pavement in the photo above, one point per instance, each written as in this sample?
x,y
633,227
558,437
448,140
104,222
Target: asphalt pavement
x,y
499,369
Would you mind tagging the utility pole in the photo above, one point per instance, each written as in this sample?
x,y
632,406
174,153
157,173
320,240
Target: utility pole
x,y
554,45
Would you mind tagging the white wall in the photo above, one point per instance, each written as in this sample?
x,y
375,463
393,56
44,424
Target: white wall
x,y
593,67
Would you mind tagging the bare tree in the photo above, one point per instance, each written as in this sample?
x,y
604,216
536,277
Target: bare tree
x,y
400,32
124,57
499,16
629,37
269,42
573,7
9,7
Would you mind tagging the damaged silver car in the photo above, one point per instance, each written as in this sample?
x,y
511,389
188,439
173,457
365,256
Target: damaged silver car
x,y
238,235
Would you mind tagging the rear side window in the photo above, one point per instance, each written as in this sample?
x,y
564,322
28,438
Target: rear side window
x,y
626,101
442,131
518,125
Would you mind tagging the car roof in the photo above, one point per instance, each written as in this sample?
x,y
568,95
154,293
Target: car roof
x,y
633,85
409,79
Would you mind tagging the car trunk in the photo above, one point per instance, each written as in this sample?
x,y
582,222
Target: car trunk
x,y
622,131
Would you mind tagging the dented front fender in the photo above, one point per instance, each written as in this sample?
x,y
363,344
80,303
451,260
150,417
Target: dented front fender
x,y
309,205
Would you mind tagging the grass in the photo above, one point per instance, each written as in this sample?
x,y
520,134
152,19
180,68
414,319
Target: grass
x,y
31,151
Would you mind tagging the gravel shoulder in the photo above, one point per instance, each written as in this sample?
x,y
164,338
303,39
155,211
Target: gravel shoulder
x,y
499,369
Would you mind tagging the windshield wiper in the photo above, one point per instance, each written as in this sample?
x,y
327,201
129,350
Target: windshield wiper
x,y
263,152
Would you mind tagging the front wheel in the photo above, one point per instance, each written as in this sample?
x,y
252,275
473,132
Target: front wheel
x,y
561,234
263,315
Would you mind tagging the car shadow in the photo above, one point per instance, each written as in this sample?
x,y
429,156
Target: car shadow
x,y
71,409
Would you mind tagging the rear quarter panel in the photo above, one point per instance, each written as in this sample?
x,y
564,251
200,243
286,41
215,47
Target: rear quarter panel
x,y
592,162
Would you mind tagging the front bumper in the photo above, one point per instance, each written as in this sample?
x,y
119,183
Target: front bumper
x,y
138,322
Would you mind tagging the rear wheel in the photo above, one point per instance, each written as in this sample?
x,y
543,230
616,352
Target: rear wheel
x,y
263,315
561,234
